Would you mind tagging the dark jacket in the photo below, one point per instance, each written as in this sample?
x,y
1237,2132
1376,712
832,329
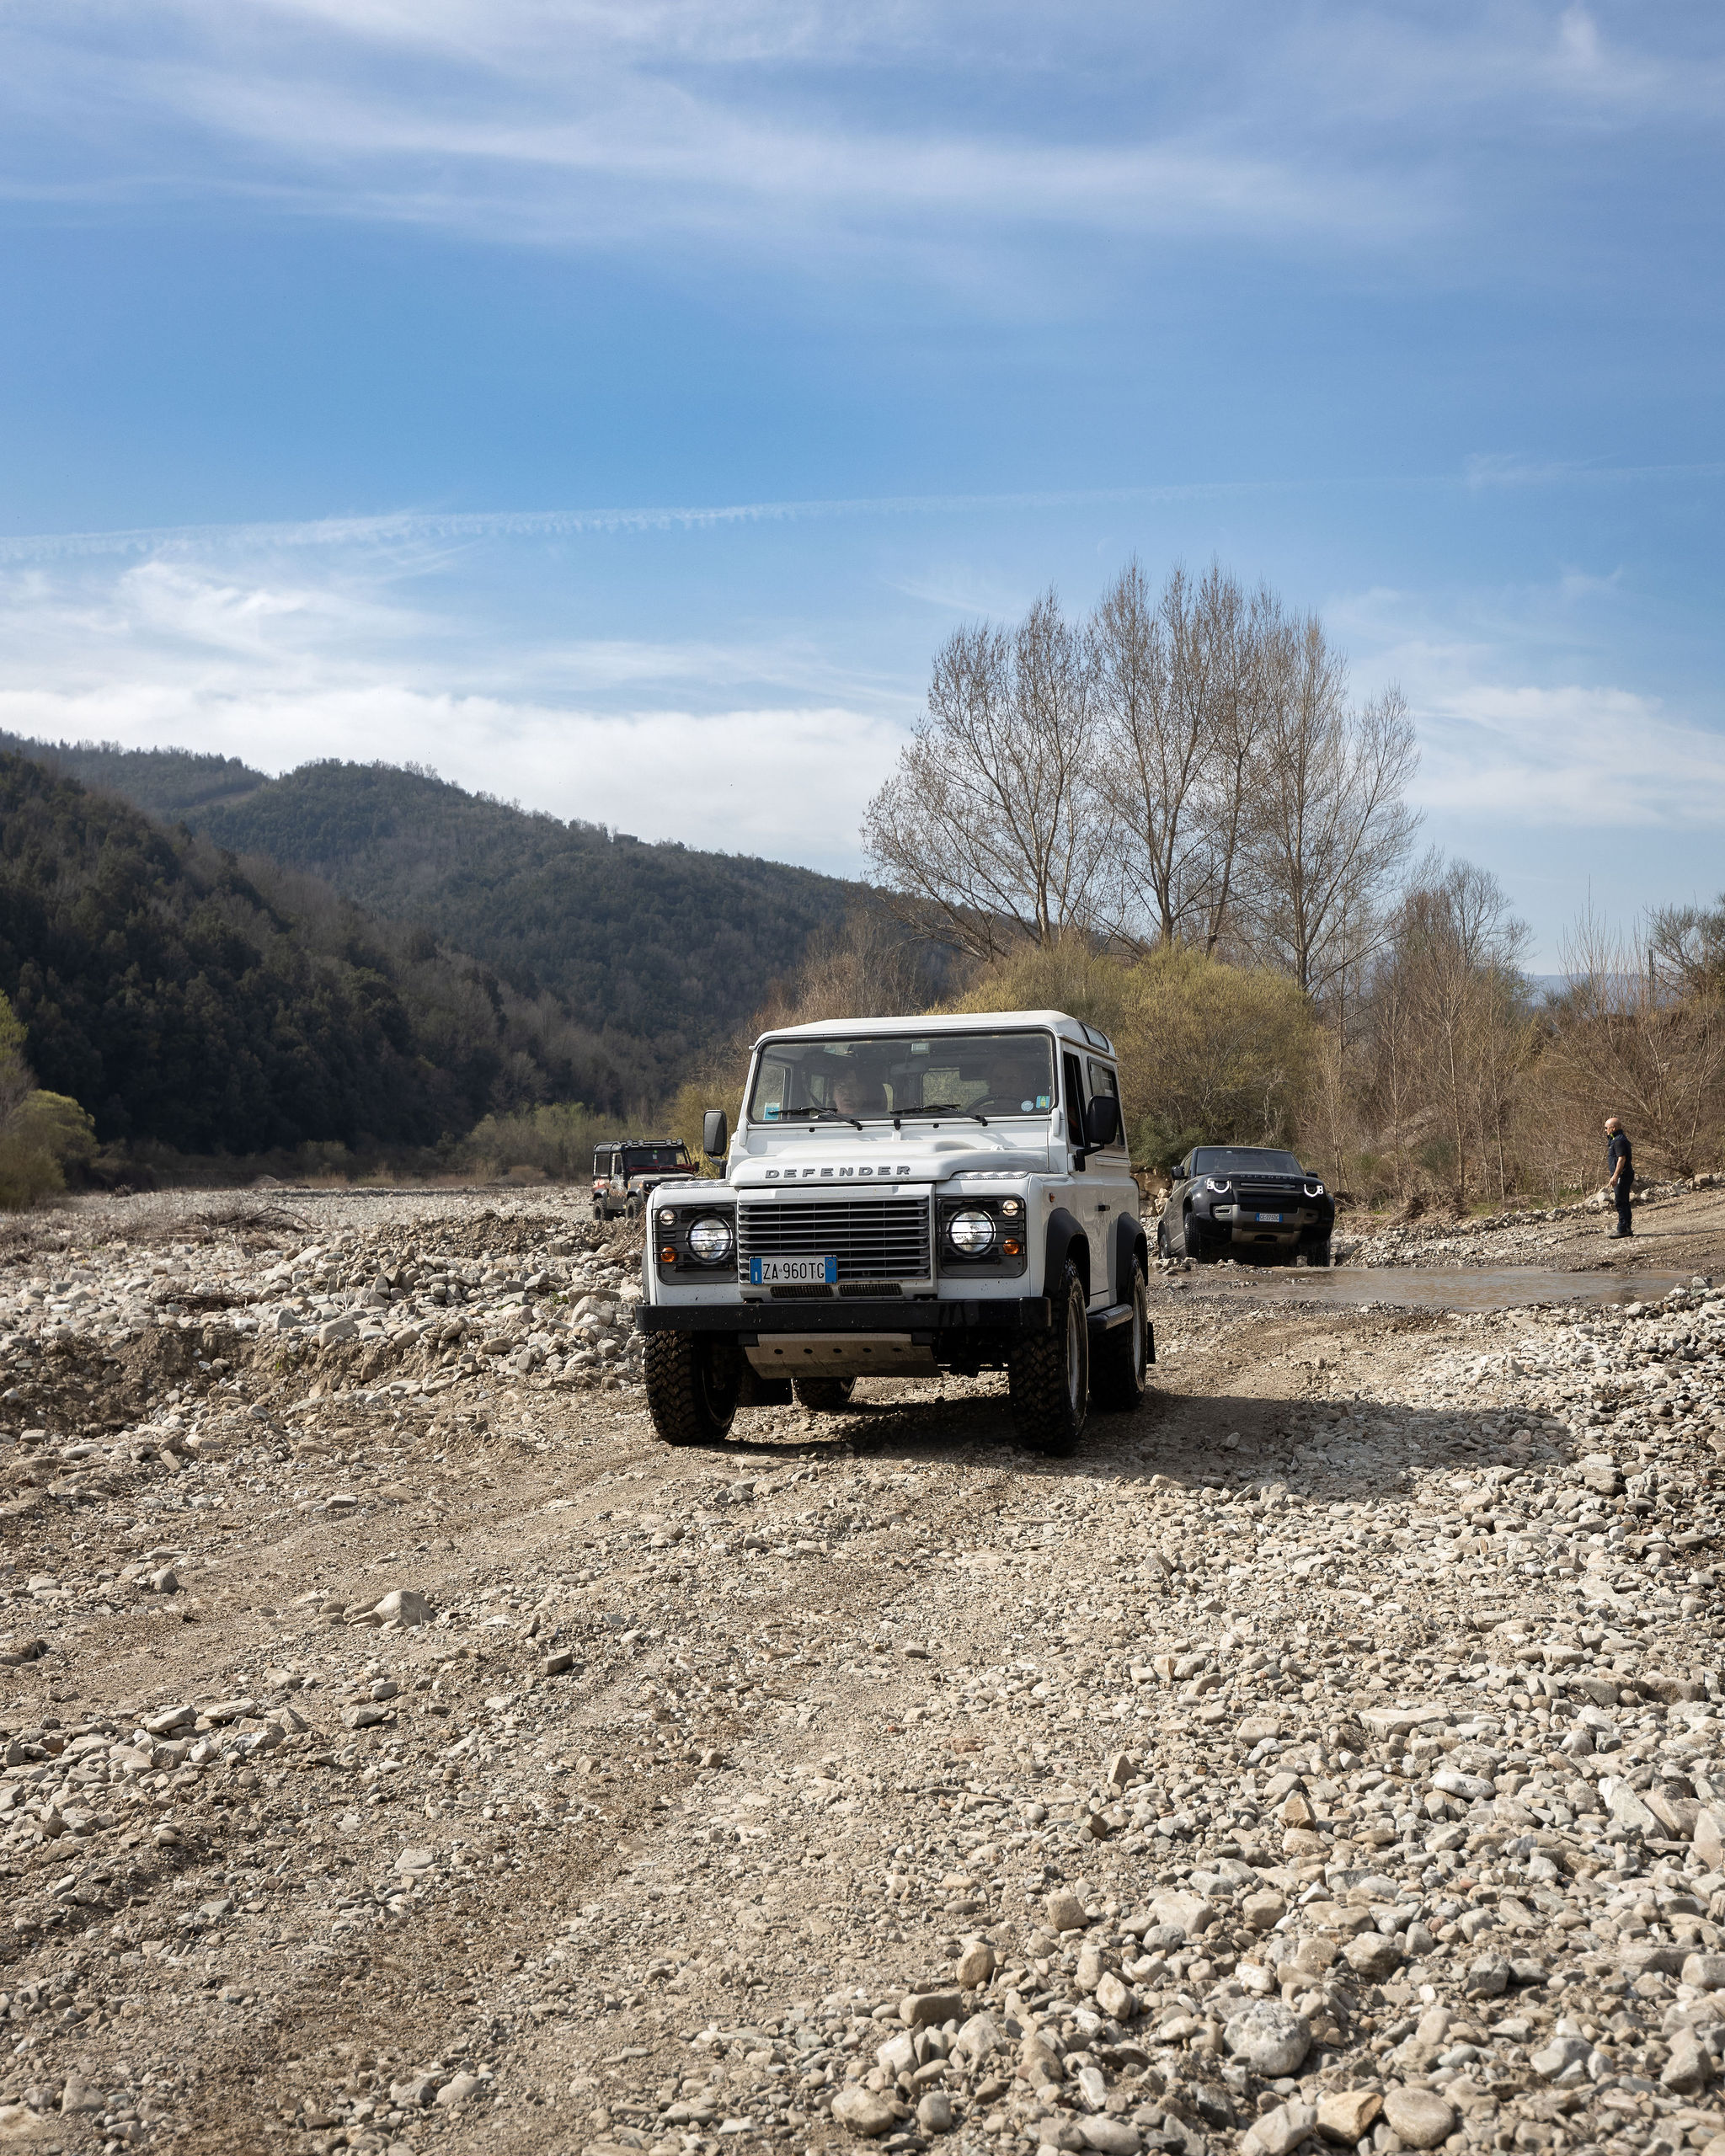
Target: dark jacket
x,y
1618,1149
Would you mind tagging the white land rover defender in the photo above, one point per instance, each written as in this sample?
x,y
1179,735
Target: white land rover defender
x,y
904,1196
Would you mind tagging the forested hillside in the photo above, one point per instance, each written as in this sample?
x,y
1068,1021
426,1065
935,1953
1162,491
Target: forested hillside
x,y
217,1007
674,946
170,783
670,948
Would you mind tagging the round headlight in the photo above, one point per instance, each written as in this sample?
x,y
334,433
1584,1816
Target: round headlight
x,y
970,1232
1314,1190
1212,1183
710,1239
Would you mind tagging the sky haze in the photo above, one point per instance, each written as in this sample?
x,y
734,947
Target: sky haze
x,y
614,407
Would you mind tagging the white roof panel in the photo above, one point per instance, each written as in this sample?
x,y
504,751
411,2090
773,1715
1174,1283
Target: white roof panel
x,y
928,1023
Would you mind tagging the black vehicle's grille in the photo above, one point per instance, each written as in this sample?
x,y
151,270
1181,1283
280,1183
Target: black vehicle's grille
x,y
872,1238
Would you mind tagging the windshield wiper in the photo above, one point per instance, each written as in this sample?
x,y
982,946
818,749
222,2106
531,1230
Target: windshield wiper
x,y
947,1108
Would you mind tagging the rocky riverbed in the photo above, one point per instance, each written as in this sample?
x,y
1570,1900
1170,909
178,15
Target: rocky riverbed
x,y
402,1752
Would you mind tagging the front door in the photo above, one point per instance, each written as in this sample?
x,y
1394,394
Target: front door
x,y
1095,1195
1116,1193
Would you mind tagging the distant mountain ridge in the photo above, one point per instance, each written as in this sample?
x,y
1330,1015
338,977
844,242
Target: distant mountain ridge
x,y
170,783
186,999
661,948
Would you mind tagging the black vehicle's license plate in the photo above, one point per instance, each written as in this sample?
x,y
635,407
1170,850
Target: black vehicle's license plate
x,y
1275,1217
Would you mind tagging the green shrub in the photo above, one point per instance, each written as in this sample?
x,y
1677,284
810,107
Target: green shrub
x,y
1209,1052
41,1134
554,1143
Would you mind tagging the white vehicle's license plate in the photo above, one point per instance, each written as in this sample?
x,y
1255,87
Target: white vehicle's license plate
x,y
1275,1217
793,1272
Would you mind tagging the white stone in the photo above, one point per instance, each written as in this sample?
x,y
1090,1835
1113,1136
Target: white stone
x,y
1269,2037
1281,2130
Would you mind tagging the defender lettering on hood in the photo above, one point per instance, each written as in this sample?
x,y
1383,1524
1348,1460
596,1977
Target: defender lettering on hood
x,y
803,1175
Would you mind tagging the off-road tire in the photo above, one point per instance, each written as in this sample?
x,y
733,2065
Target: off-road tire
x,y
824,1396
693,1384
632,1208
1119,1360
1163,1249
1049,1373
1194,1242
1317,1253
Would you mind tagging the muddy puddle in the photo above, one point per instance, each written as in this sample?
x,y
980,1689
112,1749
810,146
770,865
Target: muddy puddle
x,y
1428,1287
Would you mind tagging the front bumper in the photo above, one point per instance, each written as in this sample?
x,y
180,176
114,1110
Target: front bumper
x,y
924,1320
1240,1223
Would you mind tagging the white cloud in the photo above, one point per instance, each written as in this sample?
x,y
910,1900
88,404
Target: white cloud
x,y
1572,757
422,533
816,128
769,739
1508,468
783,782
765,746
1516,727
811,125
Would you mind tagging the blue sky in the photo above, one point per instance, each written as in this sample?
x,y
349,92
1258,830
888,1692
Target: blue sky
x,y
614,406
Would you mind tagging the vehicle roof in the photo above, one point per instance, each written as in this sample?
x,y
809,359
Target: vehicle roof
x,y
599,1144
1228,1145
1059,1022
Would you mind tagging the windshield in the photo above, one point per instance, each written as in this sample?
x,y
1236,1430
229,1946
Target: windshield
x,y
1244,1161
988,1075
642,1160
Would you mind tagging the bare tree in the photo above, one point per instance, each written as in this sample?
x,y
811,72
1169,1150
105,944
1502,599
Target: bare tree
x,y
867,968
1233,642
1635,1040
1332,821
987,835
1686,948
1149,751
1445,1032
1178,688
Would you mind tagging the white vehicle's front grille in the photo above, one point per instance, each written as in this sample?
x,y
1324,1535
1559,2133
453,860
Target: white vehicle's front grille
x,y
872,1238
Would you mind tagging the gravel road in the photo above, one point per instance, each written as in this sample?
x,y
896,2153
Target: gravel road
x,y
403,1752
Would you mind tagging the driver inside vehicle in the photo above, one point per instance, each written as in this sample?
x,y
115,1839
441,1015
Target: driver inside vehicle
x,y
859,1092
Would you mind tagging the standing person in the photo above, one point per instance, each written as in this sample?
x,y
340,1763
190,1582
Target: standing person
x,y
1619,1159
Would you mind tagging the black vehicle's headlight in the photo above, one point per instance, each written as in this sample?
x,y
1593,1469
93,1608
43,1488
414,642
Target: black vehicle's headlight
x,y
971,1232
711,1240
1314,1190
1211,1183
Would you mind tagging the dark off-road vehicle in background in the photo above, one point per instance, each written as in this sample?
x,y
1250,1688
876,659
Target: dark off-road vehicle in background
x,y
626,1169
1246,1201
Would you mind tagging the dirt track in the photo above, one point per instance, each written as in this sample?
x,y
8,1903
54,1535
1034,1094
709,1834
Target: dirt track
x,y
709,1763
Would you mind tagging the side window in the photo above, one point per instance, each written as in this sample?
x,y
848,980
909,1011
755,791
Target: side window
x,y
1103,1080
1074,1087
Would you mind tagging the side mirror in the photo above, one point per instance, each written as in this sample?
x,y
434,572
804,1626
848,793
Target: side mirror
x,y
1102,1120
715,1133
